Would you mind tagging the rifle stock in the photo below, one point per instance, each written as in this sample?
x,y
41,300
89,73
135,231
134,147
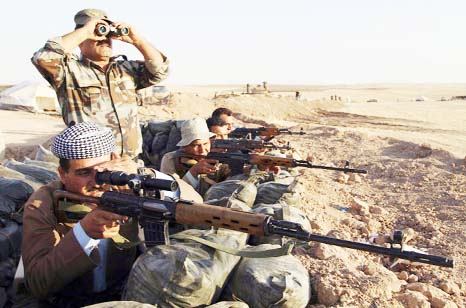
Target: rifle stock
x,y
148,209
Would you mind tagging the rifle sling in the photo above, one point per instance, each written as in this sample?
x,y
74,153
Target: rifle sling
x,y
266,253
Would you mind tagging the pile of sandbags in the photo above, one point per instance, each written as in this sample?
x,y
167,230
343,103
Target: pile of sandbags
x,y
159,138
18,180
185,273
269,282
190,274
13,194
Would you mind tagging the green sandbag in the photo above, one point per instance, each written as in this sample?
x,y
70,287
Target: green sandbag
x,y
242,190
279,211
185,273
230,304
272,192
279,282
121,304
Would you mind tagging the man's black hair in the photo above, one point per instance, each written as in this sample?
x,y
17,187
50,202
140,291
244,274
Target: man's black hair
x,y
215,121
221,110
64,164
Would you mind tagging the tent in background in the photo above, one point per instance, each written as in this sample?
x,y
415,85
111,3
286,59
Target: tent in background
x,y
29,95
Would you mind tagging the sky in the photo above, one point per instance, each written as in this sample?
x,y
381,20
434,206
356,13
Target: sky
x,y
250,41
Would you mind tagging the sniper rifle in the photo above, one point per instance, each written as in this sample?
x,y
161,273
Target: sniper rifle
x,y
237,161
154,215
246,145
265,133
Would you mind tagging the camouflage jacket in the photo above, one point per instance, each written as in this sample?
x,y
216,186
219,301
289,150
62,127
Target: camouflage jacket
x,y
87,93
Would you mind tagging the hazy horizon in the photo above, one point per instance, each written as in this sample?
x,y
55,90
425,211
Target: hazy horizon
x,y
333,42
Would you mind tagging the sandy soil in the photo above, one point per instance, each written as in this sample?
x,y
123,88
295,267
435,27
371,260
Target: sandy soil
x,y
414,153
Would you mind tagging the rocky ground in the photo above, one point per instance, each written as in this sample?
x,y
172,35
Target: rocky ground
x,y
410,184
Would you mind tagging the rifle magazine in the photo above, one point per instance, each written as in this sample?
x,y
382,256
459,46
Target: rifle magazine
x,y
155,232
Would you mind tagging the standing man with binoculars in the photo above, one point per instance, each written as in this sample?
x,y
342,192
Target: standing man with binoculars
x,y
98,87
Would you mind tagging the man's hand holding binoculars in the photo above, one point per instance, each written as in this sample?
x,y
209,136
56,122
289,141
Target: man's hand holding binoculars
x,y
100,29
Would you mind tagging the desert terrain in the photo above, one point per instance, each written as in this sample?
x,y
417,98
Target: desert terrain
x,y
412,141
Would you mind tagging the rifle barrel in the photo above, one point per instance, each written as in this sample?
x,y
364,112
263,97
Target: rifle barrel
x,y
295,230
305,163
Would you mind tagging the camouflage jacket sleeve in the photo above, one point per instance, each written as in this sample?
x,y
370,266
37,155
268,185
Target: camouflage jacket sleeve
x,y
50,61
146,73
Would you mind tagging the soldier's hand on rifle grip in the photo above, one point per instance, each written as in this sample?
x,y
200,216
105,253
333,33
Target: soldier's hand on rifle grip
x,y
99,224
205,166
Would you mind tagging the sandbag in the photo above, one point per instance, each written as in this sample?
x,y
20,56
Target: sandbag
x,y
173,137
7,272
51,166
244,191
13,174
159,143
159,126
15,190
279,211
270,192
7,206
230,202
229,304
10,238
185,273
40,174
159,138
269,282
45,155
120,304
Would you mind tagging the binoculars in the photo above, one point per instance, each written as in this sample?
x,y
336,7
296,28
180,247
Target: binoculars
x,y
109,30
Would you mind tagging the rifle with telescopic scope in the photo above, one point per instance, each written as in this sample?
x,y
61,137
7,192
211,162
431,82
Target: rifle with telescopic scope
x,y
246,145
237,161
154,215
265,133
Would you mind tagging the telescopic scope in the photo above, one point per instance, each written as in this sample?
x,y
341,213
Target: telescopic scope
x,y
120,178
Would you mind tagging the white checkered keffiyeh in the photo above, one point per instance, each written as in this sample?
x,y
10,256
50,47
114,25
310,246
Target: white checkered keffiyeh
x,y
83,140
